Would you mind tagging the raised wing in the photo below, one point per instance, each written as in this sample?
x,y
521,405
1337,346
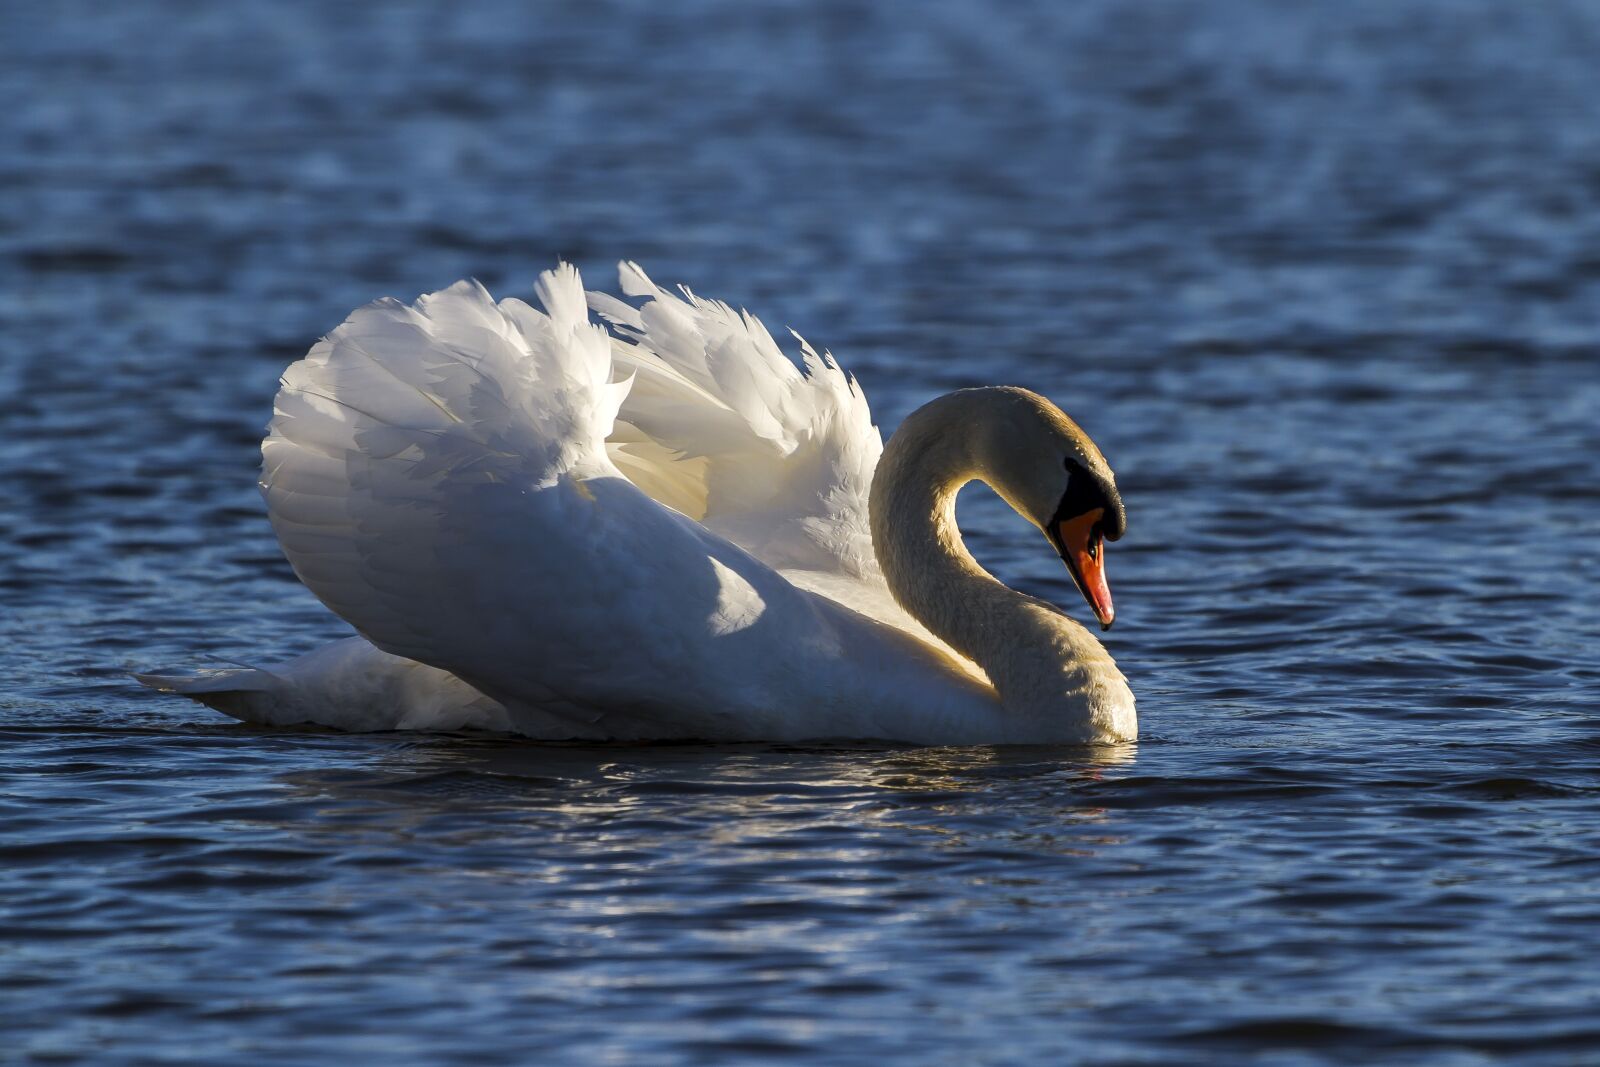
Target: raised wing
x,y
723,426
404,410
441,476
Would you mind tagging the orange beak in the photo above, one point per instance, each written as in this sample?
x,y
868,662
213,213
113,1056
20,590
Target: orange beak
x,y
1082,545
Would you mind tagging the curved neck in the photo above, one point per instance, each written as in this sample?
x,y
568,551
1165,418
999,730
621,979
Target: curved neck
x,y
914,531
1042,663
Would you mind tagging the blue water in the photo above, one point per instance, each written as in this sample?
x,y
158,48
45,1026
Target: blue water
x,y
1322,279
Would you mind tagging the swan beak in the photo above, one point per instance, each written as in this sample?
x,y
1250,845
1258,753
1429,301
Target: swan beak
x,y
1082,545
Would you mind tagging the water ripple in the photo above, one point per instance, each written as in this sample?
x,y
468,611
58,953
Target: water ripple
x,y
1319,278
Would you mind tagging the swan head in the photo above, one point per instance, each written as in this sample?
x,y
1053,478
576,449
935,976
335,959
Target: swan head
x,y
1053,474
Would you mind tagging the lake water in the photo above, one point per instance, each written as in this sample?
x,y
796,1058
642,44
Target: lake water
x,y
1322,279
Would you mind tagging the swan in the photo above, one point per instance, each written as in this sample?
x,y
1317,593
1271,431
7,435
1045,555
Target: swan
x,y
659,527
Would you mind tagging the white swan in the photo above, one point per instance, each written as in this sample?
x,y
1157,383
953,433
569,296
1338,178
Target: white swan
x,y
713,545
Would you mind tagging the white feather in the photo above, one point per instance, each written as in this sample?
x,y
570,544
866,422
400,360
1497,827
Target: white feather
x,y
788,456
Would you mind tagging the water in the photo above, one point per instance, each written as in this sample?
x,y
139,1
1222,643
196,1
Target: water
x,y
1322,280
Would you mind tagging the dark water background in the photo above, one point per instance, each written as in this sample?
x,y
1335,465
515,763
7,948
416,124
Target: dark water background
x,y
1323,279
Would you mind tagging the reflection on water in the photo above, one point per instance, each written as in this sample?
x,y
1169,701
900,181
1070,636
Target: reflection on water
x,y
605,790
738,901
1320,278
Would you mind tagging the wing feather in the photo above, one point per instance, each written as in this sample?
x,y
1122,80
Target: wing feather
x,y
463,481
786,452
402,404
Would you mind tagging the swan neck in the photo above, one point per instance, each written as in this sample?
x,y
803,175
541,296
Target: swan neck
x,y
936,451
1053,676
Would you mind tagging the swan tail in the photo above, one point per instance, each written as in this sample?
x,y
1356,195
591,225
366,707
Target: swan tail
x,y
351,685
242,692
722,425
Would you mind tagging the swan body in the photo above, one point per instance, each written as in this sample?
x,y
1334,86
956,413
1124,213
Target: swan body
x,y
662,531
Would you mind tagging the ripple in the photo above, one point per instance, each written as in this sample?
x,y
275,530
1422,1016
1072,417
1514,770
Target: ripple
x,y
1321,282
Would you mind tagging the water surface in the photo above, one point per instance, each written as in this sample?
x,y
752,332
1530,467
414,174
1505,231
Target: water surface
x,y
1321,279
